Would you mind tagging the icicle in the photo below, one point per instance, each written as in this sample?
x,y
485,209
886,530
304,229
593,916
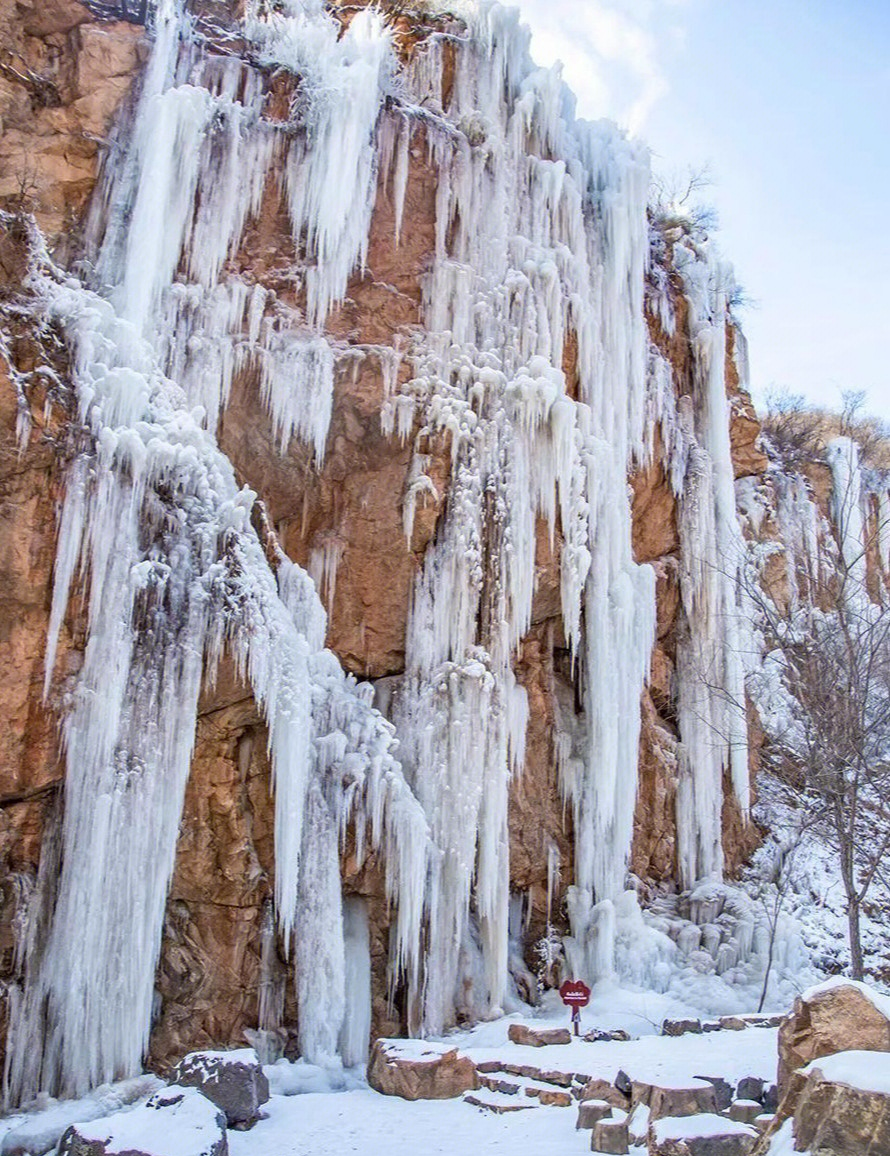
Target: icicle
x,y
356,1031
527,250
715,644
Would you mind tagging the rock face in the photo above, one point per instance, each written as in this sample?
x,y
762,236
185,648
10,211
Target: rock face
x,y
420,1071
64,76
837,1016
67,76
234,1081
175,1122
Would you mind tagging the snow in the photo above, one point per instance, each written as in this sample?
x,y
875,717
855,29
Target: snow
x,y
364,1123
705,1124
40,1127
671,1061
173,1122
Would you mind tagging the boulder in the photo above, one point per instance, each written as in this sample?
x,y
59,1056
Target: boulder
x,y
689,1098
745,1111
420,1071
844,1106
590,1112
681,1027
610,1135
600,1089
836,1016
234,1081
750,1088
173,1122
722,1091
704,1135
538,1037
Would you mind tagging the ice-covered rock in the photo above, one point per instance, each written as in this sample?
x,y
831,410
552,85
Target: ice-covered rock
x,y
42,1128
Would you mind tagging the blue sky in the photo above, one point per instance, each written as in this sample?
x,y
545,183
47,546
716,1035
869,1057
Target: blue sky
x,y
788,103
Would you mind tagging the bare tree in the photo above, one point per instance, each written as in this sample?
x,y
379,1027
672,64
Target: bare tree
x,y
792,427
834,747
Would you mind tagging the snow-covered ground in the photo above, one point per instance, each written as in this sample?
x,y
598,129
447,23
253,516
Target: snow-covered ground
x,y
333,1112
368,1124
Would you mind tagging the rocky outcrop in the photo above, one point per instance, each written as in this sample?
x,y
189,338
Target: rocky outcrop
x,y
415,1071
837,1016
63,76
844,1106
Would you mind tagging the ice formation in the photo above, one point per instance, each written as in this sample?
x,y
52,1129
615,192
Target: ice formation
x,y
541,240
715,644
155,524
534,370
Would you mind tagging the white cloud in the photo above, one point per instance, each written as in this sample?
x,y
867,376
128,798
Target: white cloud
x,y
610,50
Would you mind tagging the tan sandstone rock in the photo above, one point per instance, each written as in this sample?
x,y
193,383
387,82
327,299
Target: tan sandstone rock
x,y
416,1071
836,1016
538,1037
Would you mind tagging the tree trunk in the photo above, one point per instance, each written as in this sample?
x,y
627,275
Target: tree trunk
x,y
856,968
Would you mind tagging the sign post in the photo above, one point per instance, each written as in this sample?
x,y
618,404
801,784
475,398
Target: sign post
x,y
575,994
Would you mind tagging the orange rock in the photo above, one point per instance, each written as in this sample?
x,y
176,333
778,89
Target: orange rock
x,y
417,1071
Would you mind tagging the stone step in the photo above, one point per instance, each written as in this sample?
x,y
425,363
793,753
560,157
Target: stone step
x,y
549,1096
499,1103
500,1068
494,1083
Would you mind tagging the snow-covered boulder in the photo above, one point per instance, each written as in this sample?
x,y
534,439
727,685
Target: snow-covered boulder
x,y
42,1126
844,1107
590,1112
688,1097
415,1070
234,1081
174,1122
610,1135
835,1016
705,1135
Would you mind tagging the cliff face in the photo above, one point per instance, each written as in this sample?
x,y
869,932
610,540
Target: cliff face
x,y
70,82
